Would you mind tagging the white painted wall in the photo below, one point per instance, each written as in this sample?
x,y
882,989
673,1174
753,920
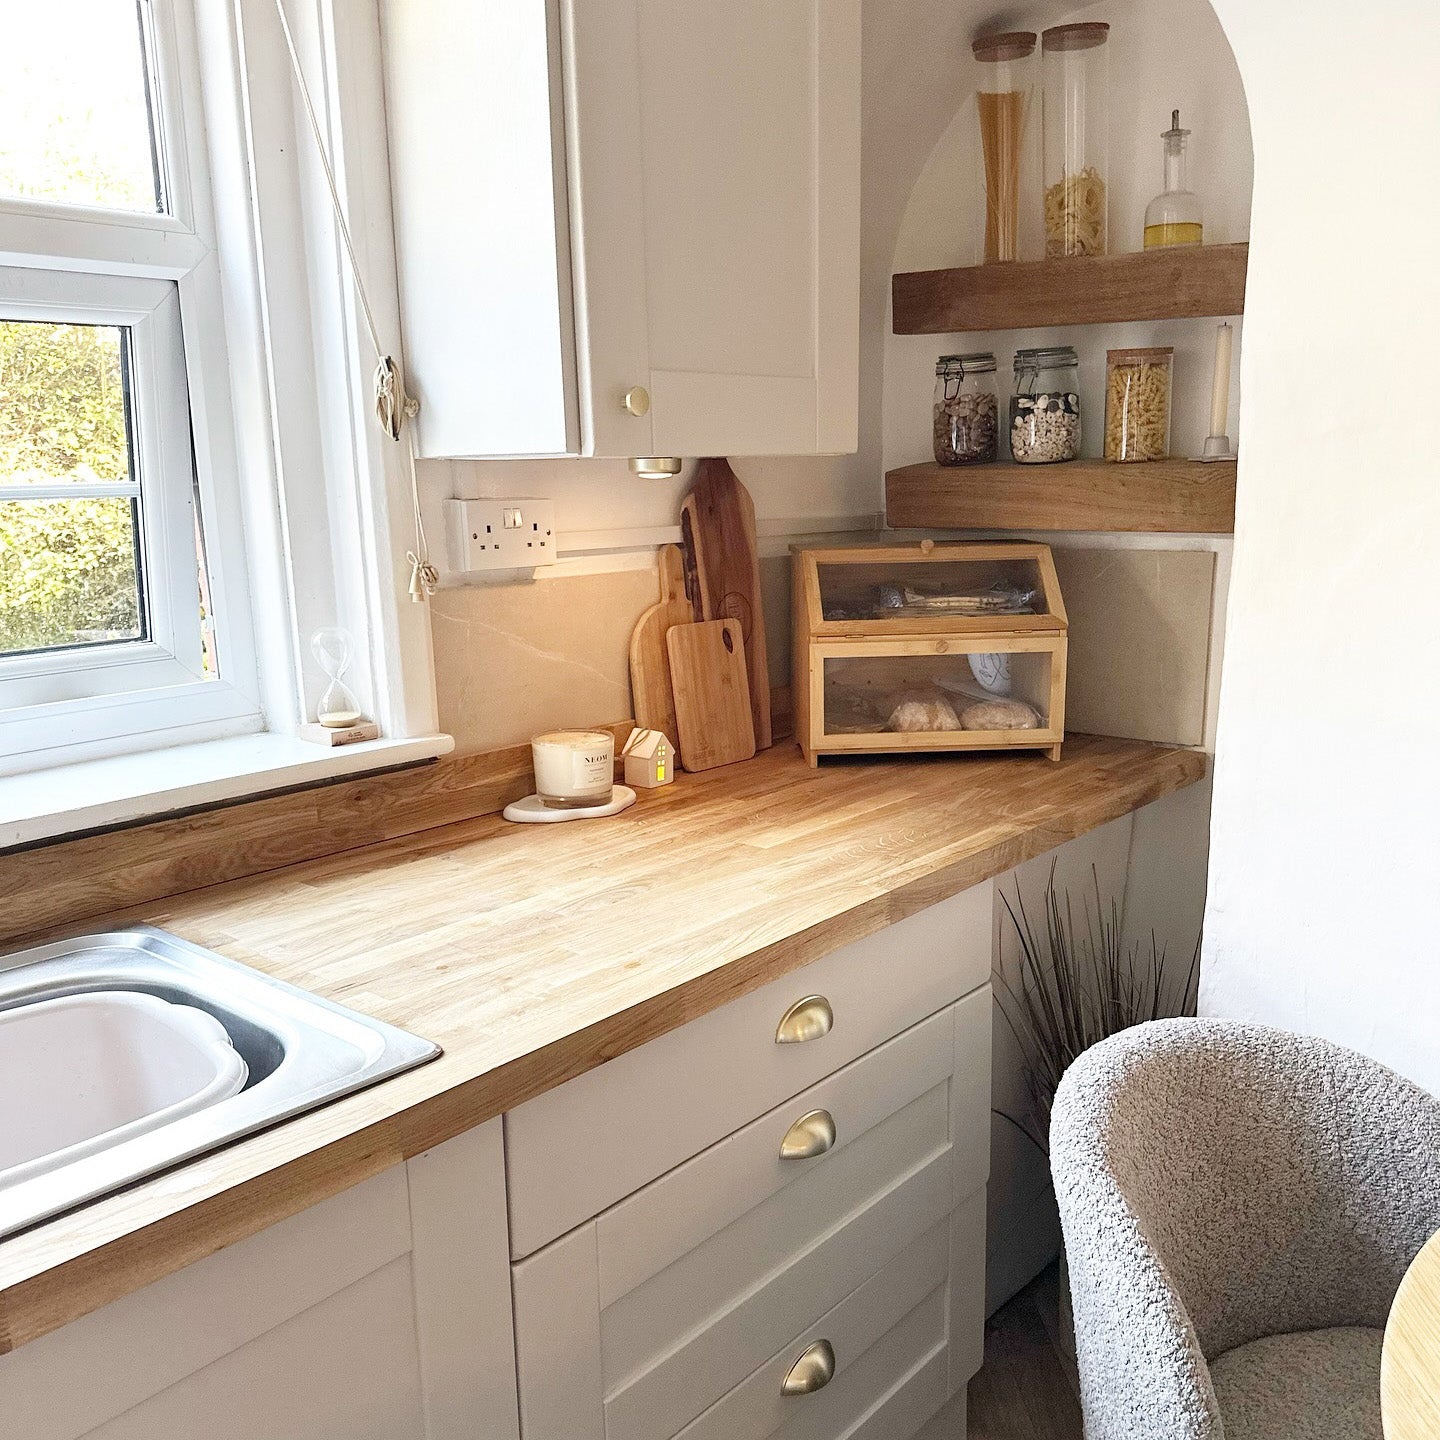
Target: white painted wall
x,y
1325,846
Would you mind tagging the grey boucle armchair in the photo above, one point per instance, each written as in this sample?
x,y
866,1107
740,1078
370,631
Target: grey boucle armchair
x,y
1239,1206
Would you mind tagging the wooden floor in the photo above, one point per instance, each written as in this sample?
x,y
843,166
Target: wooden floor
x,y
1027,1388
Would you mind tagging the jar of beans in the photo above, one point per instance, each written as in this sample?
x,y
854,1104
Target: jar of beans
x,y
967,410
1045,409
1137,403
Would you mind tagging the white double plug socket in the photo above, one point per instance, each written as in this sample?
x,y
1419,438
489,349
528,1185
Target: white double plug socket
x,y
512,534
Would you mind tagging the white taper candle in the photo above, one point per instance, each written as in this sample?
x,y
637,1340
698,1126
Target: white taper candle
x,y
1220,391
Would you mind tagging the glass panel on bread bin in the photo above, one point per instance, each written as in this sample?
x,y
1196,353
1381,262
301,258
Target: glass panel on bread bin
x,y
988,691
907,589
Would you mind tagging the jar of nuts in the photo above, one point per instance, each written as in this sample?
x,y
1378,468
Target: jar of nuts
x,y
1045,409
967,410
1137,403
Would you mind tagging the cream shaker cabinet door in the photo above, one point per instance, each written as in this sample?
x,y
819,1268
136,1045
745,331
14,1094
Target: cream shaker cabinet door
x,y
627,227
716,221
382,1313
477,181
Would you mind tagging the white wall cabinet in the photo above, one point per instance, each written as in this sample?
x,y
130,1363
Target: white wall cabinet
x,y
596,198
381,1314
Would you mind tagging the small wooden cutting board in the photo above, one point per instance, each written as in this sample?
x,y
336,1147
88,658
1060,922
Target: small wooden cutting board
x,y
712,693
718,519
650,686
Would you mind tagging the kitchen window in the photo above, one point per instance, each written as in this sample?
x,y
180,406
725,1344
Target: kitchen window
x,y
123,607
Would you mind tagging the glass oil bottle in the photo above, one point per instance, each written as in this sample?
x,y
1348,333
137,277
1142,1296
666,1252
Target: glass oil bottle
x,y
1174,216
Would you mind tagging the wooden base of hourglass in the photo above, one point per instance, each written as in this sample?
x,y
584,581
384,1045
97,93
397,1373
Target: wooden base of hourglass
x,y
318,734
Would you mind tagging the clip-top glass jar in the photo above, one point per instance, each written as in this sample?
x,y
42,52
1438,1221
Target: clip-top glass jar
x,y
967,410
1075,62
1045,410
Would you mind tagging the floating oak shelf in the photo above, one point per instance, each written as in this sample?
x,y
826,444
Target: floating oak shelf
x,y
1173,284
1172,496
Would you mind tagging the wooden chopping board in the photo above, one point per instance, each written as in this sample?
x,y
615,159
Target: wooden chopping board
x,y
718,521
650,684
712,693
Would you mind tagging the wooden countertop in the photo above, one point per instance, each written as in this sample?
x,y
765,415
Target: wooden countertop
x,y
533,954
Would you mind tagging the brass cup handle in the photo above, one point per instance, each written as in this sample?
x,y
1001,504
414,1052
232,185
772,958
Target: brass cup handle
x,y
813,1371
806,1019
811,1135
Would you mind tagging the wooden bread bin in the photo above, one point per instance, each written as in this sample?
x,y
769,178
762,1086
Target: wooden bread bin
x,y
928,648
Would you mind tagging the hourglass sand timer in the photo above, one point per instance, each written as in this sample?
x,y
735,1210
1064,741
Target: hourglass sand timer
x,y
338,706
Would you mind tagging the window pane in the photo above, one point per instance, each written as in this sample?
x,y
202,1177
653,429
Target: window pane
x,y
68,573
74,108
62,404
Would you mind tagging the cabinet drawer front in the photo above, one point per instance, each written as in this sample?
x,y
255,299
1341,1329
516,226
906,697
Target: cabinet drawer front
x,y
883,1391
737,1298
578,1149
755,1406
640,1236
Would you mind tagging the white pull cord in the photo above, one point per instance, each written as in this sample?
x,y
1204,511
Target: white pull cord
x,y
393,407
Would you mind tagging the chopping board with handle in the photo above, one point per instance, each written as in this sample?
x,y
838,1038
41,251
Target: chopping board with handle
x,y
650,686
723,565
712,693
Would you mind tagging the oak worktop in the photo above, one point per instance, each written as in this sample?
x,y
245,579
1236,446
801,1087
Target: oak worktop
x,y
534,953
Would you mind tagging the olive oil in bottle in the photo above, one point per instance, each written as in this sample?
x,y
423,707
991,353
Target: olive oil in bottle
x,y
1174,217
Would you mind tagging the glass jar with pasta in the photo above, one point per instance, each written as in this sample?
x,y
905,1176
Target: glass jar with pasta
x,y
1137,403
1002,101
1075,66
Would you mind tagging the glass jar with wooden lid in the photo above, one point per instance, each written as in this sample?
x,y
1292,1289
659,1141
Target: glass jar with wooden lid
x,y
1076,71
1137,403
1002,99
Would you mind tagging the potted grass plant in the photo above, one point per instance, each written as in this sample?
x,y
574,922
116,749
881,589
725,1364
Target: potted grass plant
x,y
1074,983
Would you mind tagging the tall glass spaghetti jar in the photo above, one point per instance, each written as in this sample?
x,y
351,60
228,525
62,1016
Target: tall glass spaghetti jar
x,y
1174,216
1075,60
1002,99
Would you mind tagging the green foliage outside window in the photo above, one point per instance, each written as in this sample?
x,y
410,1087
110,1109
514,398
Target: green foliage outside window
x,y
67,567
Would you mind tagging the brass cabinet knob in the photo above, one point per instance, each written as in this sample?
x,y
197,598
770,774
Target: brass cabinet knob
x,y
637,400
806,1019
811,1135
813,1371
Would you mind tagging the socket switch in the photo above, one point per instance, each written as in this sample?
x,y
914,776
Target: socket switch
x,y
500,534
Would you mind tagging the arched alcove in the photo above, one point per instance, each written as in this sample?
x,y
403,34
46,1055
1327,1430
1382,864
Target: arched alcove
x,y
922,204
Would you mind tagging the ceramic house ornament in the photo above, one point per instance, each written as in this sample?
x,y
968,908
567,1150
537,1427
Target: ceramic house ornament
x,y
649,759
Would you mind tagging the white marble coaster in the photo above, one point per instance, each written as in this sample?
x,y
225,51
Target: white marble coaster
x,y
532,810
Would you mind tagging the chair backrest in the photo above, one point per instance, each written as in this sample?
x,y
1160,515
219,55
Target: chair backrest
x,y
1219,1182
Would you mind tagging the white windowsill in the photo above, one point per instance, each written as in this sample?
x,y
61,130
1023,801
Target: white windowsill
x,y
69,799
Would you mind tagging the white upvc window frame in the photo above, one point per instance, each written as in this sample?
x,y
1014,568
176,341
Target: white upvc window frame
x,y
307,508
154,275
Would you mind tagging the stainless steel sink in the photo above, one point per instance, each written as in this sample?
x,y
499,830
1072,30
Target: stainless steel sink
x,y
300,1051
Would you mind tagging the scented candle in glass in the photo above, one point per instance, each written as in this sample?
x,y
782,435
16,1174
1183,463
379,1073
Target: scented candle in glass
x,y
574,769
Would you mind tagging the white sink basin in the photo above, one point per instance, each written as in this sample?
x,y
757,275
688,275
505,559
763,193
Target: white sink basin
x,y
86,1072
128,1052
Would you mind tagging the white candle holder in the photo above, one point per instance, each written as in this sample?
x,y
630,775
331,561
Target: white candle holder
x,y
1217,444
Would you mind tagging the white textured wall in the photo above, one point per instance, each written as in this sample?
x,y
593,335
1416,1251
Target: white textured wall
x,y
1325,859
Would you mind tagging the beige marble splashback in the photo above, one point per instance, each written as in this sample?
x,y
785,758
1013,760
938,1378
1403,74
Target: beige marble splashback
x,y
1139,641
512,660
